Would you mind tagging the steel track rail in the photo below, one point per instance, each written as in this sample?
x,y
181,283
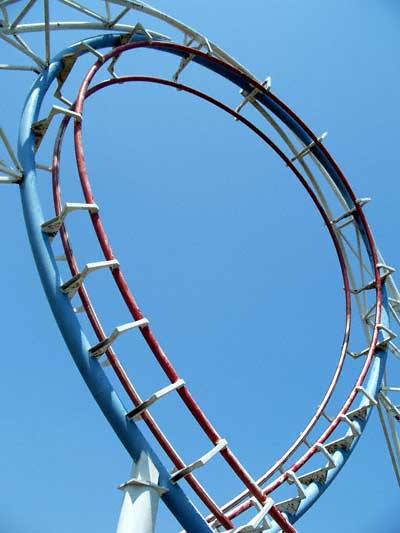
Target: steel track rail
x,y
366,233
122,80
373,368
110,353
288,165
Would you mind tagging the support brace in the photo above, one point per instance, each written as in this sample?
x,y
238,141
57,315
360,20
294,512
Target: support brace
x,y
361,202
249,97
260,522
40,127
141,497
176,476
324,451
102,346
307,149
354,429
52,226
71,286
380,345
136,413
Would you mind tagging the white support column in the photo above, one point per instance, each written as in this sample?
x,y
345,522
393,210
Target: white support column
x,y
141,496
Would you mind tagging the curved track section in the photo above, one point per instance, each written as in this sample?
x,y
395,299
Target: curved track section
x,y
348,423
371,298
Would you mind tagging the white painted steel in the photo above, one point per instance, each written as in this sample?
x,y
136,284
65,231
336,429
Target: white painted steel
x,y
260,522
53,225
355,430
179,474
249,97
329,457
141,498
392,441
72,285
100,348
137,412
307,149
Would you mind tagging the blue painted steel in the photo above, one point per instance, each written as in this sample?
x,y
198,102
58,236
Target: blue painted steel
x,y
91,371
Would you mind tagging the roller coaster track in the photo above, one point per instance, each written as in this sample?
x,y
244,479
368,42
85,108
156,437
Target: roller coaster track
x,y
371,297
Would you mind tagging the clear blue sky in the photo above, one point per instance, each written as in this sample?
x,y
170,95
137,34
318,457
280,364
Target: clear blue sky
x,y
216,239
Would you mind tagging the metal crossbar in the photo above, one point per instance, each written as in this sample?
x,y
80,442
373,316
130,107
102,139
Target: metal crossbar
x,y
40,127
179,474
136,413
52,226
100,348
307,149
72,285
250,96
260,522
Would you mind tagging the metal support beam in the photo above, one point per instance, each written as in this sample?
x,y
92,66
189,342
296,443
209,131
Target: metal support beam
x,y
141,497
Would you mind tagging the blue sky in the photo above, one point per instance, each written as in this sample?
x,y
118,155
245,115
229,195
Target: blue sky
x,y
217,240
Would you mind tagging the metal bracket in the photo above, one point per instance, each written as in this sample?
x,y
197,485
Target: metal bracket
x,y
136,413
142,483
316,476
184,62
52,226
179,474
260,522
40,127
68,62
372,284
354,429
360,412
307,149
322,448
356,355
390,337
101,347
139,28
380,345
249,96
71,286
372,400
388,268
289,506
360,202
342,443
369,314
125,39
292,478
